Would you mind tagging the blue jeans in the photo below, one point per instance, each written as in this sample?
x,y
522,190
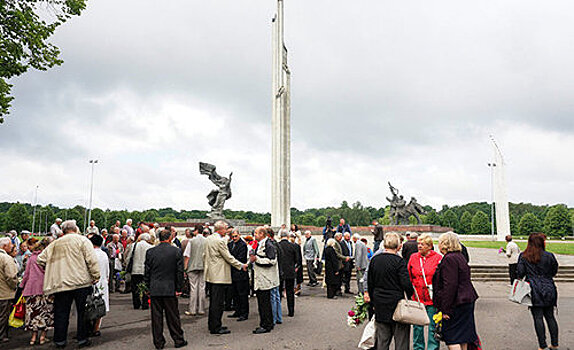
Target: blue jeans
x,y
419,333
276,305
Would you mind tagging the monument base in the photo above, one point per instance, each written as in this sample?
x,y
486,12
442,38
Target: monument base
x,y
232,222
420,229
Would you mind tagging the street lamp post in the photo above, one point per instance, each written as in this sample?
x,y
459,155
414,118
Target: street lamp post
x,y
35,205
93,162
492,166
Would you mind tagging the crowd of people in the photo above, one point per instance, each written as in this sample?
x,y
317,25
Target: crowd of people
x,y
217,262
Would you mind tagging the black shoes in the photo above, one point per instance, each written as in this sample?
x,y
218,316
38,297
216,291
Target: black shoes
x,y
181,345
241,318
261,330
221,331
233,315
85,343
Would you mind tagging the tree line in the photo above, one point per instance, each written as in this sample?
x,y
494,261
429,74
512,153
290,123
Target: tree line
x,y
471,218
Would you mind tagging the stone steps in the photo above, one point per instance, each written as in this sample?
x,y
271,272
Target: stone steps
x,y
486,273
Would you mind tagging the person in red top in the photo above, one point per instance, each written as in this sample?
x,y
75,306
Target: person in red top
x,y
422,266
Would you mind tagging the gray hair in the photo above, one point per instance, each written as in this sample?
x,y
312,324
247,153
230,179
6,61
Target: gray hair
x,y
145,237
220,225
69,226
58,219
338,234
357,236
331,242
4,241
307,232
414,235
129,220
392,241
116,235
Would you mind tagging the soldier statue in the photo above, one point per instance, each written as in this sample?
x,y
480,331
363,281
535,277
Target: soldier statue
x,y
216,198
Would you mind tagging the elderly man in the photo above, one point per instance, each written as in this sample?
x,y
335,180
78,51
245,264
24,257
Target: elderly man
x,y
217,262
55,229
343,227
311,255
347,250
411,246
239,278
71,269
339,252
288,264
136,262
93,229
361,261
193,263
266,275
8,283
115,252
128,227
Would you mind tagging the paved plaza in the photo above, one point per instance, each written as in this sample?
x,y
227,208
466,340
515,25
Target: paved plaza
x,y
319,324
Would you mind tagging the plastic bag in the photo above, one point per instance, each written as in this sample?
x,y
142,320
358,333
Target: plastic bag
x,y
15,320
368,338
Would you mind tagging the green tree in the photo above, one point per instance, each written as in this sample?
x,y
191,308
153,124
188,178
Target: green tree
x,y
480,224
18,218
466,223
449,219
529,223
557,221
432,218
320,221
26,26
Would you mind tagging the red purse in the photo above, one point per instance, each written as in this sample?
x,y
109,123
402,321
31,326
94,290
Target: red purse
x,y
20,309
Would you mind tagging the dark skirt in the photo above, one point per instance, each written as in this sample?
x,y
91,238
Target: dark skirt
x,y
460,328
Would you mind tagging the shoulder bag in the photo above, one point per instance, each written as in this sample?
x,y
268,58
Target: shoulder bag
x,y
411,312
429,286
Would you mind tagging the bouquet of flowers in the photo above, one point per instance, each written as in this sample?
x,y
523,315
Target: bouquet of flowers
x,y
501,250
358,313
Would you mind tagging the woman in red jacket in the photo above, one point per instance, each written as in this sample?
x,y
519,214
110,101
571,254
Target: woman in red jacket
x,y
422,266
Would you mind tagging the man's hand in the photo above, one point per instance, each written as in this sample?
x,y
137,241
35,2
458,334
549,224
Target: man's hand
x,y
446,317
244,267
95,281
253,258
347,259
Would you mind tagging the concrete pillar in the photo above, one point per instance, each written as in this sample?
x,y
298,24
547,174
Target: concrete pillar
x,y
281,127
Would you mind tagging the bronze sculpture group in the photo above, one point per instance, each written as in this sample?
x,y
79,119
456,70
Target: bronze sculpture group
x,y
401,211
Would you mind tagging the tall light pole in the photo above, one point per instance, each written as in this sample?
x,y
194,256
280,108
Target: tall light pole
x,y
93,162
492,166
35,204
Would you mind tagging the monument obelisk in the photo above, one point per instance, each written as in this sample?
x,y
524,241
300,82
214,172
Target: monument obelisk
x,y
281,127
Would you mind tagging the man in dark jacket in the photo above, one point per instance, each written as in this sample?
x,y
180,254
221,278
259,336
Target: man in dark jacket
x,y
410,247
288,262
347,250
239,278
378,235
164,278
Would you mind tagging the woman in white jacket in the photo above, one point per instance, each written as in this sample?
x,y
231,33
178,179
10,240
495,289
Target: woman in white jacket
x,y
102,284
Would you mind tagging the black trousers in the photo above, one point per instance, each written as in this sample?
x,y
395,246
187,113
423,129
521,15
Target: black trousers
x,y
512,272
289,285
229,306
346,279
5,309
137,301
539,314
332,290
241,297
62,306
216,306
169,306
311,272
264,308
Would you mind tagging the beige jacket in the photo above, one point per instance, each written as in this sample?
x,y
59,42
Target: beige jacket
x,y
8,276
70,263
217,260
266,270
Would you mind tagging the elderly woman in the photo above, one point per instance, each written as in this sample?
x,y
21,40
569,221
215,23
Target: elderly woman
x,y
454,294
422,266
102,285
333,268
539,267
39,307
388,282
137,261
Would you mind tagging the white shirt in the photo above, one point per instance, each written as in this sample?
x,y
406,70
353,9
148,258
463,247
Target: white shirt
x,y
512,252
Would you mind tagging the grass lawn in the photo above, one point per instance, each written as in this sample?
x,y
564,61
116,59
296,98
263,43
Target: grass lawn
x,y
556,248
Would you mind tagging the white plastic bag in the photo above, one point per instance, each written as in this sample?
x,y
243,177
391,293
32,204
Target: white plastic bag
x,y
368,338
520,292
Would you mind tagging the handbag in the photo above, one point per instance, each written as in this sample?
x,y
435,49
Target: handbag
x,y
318,267
95,305
520,292
20,308
368,338
411,312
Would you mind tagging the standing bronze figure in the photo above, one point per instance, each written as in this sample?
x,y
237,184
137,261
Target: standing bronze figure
x,y
216,198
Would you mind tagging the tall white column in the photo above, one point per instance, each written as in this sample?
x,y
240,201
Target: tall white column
x,y
281,127
500,198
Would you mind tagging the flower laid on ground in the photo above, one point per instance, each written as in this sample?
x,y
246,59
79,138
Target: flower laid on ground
x,y
359,313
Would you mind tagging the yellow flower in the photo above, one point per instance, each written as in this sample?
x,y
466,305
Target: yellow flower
x,y
437,318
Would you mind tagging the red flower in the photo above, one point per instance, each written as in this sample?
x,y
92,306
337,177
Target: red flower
x,y
351,313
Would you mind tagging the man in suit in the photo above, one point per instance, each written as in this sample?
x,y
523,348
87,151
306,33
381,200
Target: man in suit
x,y
361,261
164,277
217,263
288,263
410,247
347,250
239,278
340,254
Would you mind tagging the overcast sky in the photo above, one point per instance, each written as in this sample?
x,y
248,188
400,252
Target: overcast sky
x,y
406,92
